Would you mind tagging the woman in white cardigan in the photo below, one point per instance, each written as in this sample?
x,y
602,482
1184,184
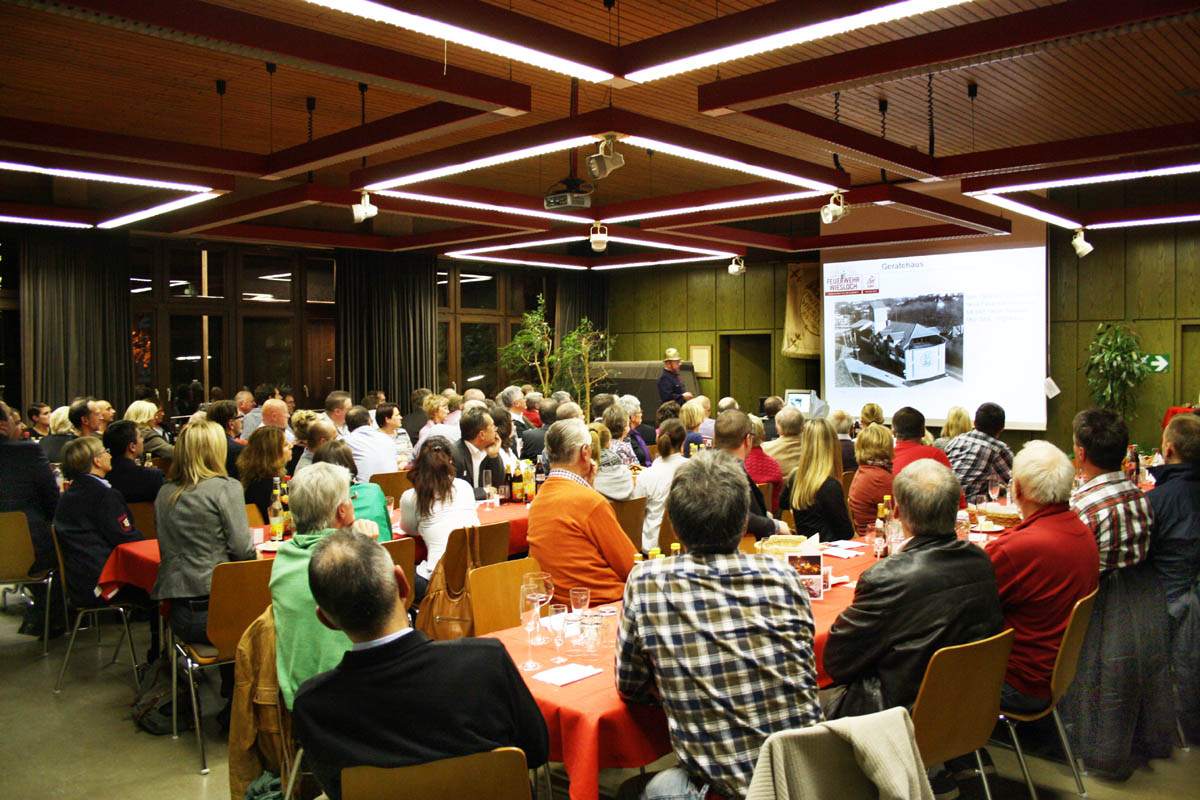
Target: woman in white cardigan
x,y
655,483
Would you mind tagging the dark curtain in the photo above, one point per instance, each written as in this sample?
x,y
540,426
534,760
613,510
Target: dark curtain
x,y
386,323
75,321
580,295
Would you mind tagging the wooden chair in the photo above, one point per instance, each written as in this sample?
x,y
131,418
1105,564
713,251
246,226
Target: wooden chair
x,y
747,544
501,774
163,464
847,479
121,609
493,543
240,592
16,557
1065,664
790,518
404,554
666,535
631,514
143,518
494,594
394,484
254,517
959,699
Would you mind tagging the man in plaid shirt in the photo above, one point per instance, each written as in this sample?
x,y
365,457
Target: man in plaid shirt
x,y
978,457
724,640
1108,503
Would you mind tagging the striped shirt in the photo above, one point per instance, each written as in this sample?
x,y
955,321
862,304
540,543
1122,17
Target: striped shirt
x,y
1120,517
726,642
977,459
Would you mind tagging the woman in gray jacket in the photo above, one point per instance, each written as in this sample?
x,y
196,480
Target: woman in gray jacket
x,y
200,514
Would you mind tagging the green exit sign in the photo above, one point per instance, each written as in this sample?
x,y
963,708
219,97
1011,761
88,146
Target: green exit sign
x,y
1158,362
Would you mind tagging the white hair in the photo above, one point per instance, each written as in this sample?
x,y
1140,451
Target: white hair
x,y
565,439
510,395
841,421
631,404
1044,472
315,493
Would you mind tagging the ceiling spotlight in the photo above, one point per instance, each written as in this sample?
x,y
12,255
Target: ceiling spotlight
x,y
835,209
599,237
1081,245
605,161
364,210
737,266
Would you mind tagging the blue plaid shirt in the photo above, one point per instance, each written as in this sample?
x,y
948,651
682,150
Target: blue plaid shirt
x,y
725,641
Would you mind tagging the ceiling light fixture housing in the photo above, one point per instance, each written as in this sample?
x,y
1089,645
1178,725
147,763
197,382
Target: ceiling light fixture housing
x,y
835,209
599,237
363,210
737,266
1082,246
603,163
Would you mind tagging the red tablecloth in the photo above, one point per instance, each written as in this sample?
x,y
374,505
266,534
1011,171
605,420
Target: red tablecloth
x,y
132,563
517,517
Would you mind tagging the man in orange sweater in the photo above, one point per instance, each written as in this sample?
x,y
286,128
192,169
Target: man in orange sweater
x,y
573,531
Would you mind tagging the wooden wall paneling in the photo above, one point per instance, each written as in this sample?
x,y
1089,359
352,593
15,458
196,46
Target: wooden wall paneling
x,y
623,305
1062,265
1150,272
637,347
780,293
1105,266
1188,363
1187,270
701,297
643,296
759,296
1158,392
1084,331
730,299
708,386
673,301
1064,369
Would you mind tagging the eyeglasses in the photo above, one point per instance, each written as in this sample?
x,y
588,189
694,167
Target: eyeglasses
x,y
239,416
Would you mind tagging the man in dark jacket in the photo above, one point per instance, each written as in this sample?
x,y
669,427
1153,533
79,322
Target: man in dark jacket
x,y
533,440
670,386
471,456
136,484
225,413
415,418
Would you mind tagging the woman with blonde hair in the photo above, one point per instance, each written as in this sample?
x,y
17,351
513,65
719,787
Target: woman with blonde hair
x,y
200,515
874,449
814,489
871,412
262,460
436,408
691,414
614,480
957,421
61,432
143,412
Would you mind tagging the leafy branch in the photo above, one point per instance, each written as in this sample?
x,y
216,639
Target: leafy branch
x,y
1115,368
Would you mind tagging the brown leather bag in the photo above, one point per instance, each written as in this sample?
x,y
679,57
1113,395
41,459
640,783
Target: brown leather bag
x,y
446,608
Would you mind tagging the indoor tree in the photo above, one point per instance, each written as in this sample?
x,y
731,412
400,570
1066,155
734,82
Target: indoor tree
x,y
1115,367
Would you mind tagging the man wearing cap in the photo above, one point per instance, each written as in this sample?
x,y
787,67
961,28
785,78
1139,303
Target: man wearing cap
x,y
670,387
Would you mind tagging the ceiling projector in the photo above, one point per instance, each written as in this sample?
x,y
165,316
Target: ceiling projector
x,y
605,161
567,194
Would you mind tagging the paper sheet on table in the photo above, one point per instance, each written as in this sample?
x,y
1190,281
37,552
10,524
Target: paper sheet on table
x,y
567,673
849,543
839,553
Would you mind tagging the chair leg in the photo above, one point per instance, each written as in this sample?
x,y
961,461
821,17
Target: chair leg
x,y
120,641
546,775
49,583
137,682
292,773
1012,731
175,654
987,790
196,714
1066,743
70,645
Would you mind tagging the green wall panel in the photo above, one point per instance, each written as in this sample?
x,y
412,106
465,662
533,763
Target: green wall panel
x,y
637,347
1064,276
1102,277
673,300
730,300
1064,369
622,314
708,386
1158,392
1149,273
1187,271
701,299
780,294
643,298
760,296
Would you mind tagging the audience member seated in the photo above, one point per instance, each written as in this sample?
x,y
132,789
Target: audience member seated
x,y
873,479
771,408
616,419
871,412
600,402
371,401
225,414
85,418
123,440
39,421
978,457
655,483
261,463
387,417
254,417
641,435
761,467
243,401
472,453
505,442
513,401
398,698
1123,665
317,432
1044,566
573,530
142,413
456,404
957,422
842,423
437,504
734,437
613,479
530,413
679,620
726,403
437,410
374,451
814,489
415,419
908,428
786,448
568,410
369,501
61,432
533,440
691,414
320,504
707,427
337,403
200,516
666,411
275,412
938,591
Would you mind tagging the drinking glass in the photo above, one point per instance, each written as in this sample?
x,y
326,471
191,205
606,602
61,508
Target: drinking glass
x,y
530,605
592,622
993,488
557,620
542,585
581,599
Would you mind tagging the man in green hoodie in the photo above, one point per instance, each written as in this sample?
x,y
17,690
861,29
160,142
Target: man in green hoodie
x,y
319,498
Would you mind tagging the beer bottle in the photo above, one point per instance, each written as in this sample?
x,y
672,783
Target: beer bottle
x,y
275,513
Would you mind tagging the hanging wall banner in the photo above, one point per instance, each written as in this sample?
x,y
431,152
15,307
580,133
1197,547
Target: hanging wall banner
x,y
802,324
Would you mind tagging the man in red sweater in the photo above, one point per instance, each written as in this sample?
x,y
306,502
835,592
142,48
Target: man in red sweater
x,y
1043,566
908,426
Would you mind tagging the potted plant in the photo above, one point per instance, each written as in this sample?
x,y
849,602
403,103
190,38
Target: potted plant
x,y
1115,367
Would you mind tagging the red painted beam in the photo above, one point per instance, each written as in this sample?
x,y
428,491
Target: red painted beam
x,y
227,30
943,210
533,256
888,236
451,236
227,214
66,161
739,237
651,238
765,211
1142,213
1074,173
435,119
32,211
703,197
1072,18
299,237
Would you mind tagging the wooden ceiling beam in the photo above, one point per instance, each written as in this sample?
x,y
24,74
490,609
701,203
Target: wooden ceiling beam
x,y
299,237
65,147
451,236
229,213
85,216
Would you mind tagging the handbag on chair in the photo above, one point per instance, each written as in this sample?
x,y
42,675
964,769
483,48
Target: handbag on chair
x,y
446,608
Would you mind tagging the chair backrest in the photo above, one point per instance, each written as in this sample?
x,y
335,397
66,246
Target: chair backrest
x,y
789,517
653,448
1068,650
501,774
494,594
666,535
766,490
394,484
403,551
254,517
143,519
16,546
631,514
163,464
493,543
847,479
240,592
747,544
959,700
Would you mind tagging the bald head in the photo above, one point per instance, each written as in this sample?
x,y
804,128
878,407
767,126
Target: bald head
x,y
244,401
274,412
319,433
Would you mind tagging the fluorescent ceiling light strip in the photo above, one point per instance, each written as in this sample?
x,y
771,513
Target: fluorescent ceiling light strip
x,y
727,163
1181,169
101,176
469,38
752,201
523,262
1130,223
656,263
451,201
790,38
58,223
154,211
480,163
1028,211
513,246
681,248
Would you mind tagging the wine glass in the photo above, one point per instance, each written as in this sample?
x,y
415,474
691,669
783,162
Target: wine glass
x,y
542,585
530,605
556,621
993,488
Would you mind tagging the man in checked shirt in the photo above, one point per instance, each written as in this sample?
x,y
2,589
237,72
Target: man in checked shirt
x,y
724,640
978,457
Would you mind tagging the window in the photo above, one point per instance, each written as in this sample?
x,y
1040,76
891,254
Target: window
x,y
142,339
478,289
443,355
267,349
197,346
320,276
10,358
443,289
479,369
267,278
196,273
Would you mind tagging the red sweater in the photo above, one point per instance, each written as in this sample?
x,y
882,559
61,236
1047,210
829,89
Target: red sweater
x,y
908,452
764,469
1044,566
867,490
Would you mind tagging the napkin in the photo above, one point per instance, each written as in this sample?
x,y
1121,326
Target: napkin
x,y
567,673
837,553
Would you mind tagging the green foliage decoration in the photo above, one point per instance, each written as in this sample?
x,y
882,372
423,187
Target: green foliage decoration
x,y
1115,367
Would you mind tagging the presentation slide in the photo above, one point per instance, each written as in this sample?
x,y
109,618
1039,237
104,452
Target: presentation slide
x,y
935,331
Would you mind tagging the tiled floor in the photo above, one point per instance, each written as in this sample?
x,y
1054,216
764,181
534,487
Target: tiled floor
x,y
82,743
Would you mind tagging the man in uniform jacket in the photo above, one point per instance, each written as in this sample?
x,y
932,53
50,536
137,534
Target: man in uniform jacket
x,y
670,387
